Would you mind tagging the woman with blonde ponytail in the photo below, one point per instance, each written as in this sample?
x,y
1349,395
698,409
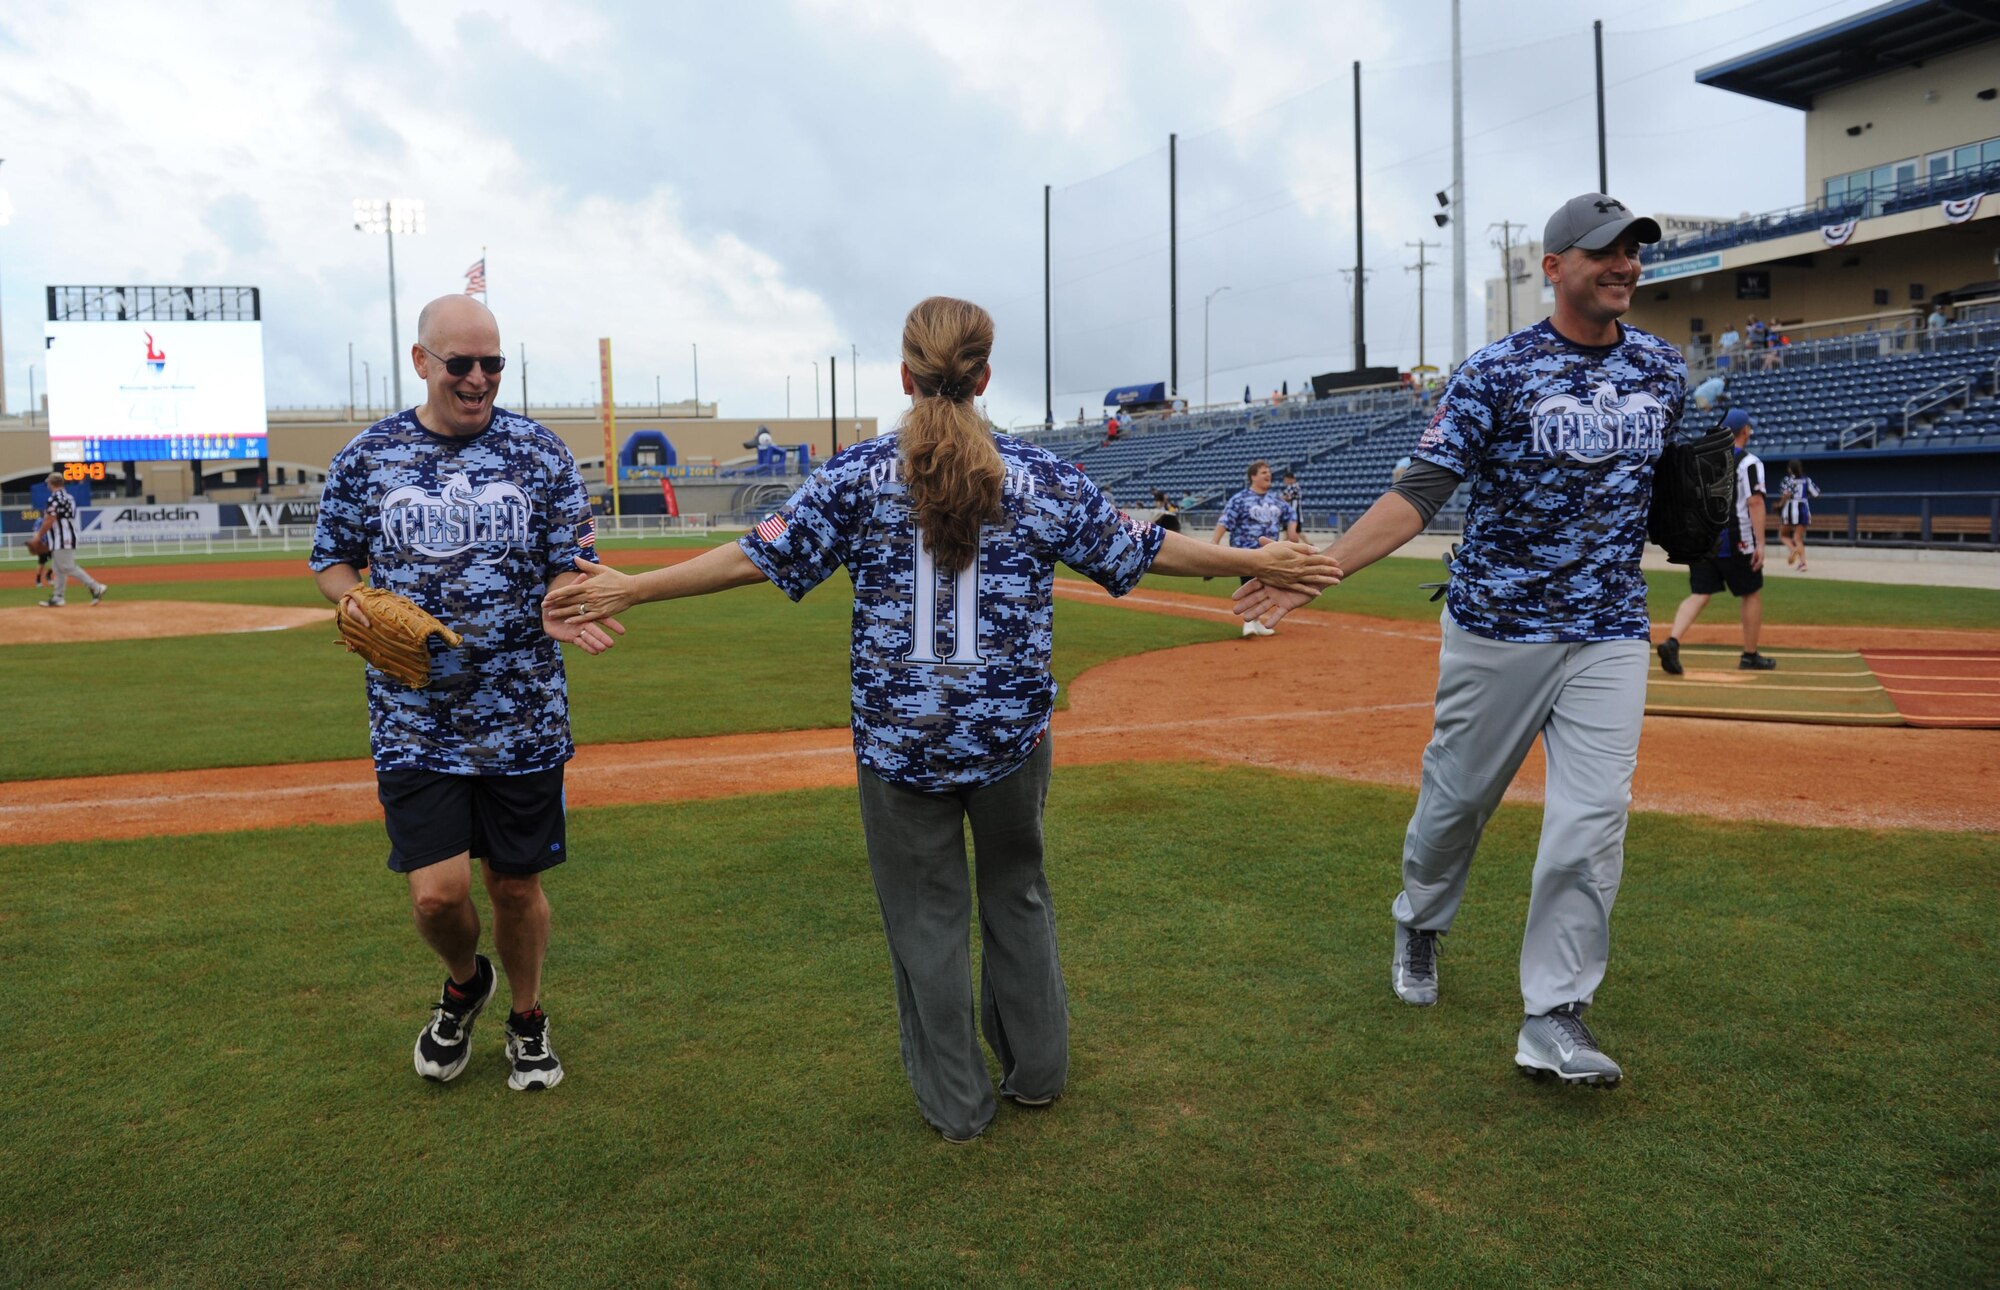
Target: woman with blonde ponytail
x,y
951,533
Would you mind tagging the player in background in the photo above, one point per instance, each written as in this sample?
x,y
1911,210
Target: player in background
x,y
951,534
1557,429
1737,564
58,530
1294,497
1795,498
1253,516
473,512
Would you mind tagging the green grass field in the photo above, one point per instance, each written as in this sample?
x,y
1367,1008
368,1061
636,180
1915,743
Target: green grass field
x,y
1389,589
210,1082
745,661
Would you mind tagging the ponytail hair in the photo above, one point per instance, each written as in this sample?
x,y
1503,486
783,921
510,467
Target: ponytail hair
x,y
949,461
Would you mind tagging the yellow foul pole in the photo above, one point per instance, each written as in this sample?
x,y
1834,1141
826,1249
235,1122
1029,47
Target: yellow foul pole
x,y
608,414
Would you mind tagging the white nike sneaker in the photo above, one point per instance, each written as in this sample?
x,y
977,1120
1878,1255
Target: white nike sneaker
x,y
1559,1044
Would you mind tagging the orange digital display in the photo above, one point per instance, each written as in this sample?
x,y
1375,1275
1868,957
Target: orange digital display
x,y
75,472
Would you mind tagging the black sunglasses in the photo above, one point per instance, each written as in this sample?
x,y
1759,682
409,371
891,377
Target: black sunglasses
x,y
491,364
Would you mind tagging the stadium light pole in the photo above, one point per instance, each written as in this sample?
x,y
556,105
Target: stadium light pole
x,y
694,351
815,389
368,387
1597,38
1204,341
389,217
6,214
1458,347
854,386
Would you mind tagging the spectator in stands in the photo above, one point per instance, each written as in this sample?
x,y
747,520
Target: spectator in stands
x,y
1934,325
1252,517
1709,392
1737,564
1725,347
1170,514
1774,354
1795,498
1758,333
1276,398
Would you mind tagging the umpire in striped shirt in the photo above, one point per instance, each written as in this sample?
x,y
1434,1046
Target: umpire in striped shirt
x,y
58,529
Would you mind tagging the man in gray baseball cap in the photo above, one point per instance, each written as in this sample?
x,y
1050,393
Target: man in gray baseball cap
x,y
1545,635
1592,222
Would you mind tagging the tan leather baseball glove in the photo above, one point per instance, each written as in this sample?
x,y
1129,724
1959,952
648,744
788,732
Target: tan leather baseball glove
x,y
397,638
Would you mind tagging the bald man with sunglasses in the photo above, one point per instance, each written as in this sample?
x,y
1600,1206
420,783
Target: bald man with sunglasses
x,y
475,513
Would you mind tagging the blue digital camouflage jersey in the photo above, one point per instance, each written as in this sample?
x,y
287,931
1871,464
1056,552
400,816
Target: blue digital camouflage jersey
x,y
473,530
1251,515
951,673
1558,441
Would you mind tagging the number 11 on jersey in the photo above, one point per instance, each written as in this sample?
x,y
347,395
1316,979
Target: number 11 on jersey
x,y
964,612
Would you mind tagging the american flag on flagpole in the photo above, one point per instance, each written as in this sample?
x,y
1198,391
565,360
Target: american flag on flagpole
x,y
475,278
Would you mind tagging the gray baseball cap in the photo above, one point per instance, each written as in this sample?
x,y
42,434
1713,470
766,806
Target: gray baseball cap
x,y
1592,222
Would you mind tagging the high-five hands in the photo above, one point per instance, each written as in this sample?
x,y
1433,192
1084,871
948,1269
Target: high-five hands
x,y
1291,574
580,612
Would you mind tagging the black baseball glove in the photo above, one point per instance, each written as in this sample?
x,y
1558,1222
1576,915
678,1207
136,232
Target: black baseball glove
x,y
1694,495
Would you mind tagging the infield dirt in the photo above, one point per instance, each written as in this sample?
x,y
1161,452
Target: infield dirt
x,y
1331,694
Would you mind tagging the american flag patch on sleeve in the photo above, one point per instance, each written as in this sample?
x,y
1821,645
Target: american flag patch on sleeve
x,y
772,528
586,535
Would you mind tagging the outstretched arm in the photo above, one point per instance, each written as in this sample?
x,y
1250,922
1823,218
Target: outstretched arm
x,y
1388,524
603,591
1280,564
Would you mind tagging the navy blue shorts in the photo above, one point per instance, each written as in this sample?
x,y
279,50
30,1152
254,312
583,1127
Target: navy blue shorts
x,y
514,823
1708,576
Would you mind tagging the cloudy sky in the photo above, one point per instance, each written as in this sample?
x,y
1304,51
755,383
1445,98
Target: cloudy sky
x,y
779,180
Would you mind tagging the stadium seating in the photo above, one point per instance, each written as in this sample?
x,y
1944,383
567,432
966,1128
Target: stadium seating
x,y
1345,449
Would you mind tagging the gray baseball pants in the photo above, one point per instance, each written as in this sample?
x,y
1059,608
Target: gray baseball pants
x,y
1586,701
916,851
63,560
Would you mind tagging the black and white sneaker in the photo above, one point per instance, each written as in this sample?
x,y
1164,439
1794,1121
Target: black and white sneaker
x,y
534,1062
1413,970
444,1045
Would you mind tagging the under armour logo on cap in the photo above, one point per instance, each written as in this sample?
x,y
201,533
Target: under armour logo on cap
x,y
1592,222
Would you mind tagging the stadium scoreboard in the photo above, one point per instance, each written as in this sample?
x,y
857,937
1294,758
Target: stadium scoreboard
x,y
155,374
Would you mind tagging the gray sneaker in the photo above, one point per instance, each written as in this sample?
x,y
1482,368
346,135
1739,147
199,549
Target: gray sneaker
x,y
1413,972
1560,1044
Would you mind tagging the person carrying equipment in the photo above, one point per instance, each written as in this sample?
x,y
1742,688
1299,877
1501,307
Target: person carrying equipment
x,y
1556,428
464,514
1737,562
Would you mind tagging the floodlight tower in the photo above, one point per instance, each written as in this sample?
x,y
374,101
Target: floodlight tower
x,y
6,213
389,217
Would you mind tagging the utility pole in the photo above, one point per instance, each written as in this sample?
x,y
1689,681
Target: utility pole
x,y
833,398
524,378
1506,245
1458,284
1418,268
695,350
854,386
350,380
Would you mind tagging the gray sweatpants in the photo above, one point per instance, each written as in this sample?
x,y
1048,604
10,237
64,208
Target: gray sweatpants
x,y
63,560
916,851
1586,701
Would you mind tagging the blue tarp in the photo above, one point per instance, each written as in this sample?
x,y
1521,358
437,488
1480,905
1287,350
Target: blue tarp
x,y
1126,396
